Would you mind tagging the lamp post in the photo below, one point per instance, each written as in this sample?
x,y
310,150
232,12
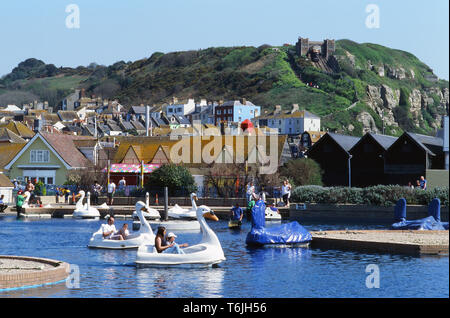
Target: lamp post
x,y
349,171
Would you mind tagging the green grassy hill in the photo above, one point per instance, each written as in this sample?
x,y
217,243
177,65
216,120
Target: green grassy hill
x,y
374,87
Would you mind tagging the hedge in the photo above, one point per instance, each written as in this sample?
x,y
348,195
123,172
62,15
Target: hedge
x,y
380,195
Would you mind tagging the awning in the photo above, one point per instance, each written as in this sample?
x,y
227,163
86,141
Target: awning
x,y
131,168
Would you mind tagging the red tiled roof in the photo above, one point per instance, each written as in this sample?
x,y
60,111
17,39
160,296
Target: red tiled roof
x,y
66,148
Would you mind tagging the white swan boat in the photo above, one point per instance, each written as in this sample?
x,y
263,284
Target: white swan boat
x,y
143,236
207,253
85,211
271,215
182,219
151,213
27,196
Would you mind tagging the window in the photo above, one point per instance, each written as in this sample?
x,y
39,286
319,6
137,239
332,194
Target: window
x,y
179,110
230,118
240,119
49,180
230,111
37,156
218,112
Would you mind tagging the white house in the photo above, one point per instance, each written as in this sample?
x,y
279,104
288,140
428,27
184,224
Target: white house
x,y
176,108
293,122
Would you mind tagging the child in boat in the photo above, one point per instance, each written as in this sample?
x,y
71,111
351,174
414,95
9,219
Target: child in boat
x,y
124,231
176,249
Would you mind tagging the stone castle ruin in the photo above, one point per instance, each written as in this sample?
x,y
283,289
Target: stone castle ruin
x,y
321,53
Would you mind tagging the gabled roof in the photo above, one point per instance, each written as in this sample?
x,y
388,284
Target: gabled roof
x,y
427,140
64,145
237,103
346,142
68,115
8,152
423,140
7,135
5,182
383,141
19,129
126,125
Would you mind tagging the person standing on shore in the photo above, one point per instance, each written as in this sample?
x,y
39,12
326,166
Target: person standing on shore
x,y
122,184
250,191
96,190
423,183
111,191
285,192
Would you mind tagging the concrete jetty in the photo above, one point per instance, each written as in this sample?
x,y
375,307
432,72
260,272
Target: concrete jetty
x,y
415,242
25,272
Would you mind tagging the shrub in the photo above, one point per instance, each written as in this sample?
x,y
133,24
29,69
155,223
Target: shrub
x,y
381,195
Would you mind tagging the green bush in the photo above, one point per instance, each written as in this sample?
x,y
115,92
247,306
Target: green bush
x,y
380,195
40,188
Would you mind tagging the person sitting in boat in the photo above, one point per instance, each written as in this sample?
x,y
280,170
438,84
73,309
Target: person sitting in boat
x,y
236,213
109,230
274,208
124,231
160,241
176,249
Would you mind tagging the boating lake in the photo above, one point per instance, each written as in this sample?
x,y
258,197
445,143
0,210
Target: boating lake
x,y
246,273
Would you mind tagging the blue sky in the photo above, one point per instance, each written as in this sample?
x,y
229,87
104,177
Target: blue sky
x,y
112,30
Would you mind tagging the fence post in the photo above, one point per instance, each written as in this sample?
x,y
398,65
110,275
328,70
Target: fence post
x,y
166,203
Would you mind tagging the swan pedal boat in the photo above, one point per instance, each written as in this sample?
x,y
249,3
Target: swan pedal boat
x,y
85,211
150,213
143,236
271,215
205,254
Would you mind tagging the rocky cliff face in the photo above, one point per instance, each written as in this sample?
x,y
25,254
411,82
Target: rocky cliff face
x,y
383,100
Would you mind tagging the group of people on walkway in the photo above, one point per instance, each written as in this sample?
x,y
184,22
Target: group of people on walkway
x,y
252,194
420,184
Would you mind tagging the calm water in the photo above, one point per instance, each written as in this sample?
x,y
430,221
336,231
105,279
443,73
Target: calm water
x,y
269,272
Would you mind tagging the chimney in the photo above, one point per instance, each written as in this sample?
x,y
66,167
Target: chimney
x,y
277,109
243,101
147,119
174,100
294,108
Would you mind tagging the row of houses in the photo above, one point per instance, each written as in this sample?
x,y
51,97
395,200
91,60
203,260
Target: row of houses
x,y
49,157
379,159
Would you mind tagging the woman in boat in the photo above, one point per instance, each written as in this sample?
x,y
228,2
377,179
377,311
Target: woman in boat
x,y
160,242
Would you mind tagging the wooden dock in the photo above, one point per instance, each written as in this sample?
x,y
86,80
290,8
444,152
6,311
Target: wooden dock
x,y
414,242
120,211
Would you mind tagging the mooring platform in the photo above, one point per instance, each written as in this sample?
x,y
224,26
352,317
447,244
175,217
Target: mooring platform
x,y
414,242
26,272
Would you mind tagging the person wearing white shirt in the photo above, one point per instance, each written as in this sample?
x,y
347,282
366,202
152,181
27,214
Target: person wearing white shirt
x,y
250,191
109,230
286,192
111,191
